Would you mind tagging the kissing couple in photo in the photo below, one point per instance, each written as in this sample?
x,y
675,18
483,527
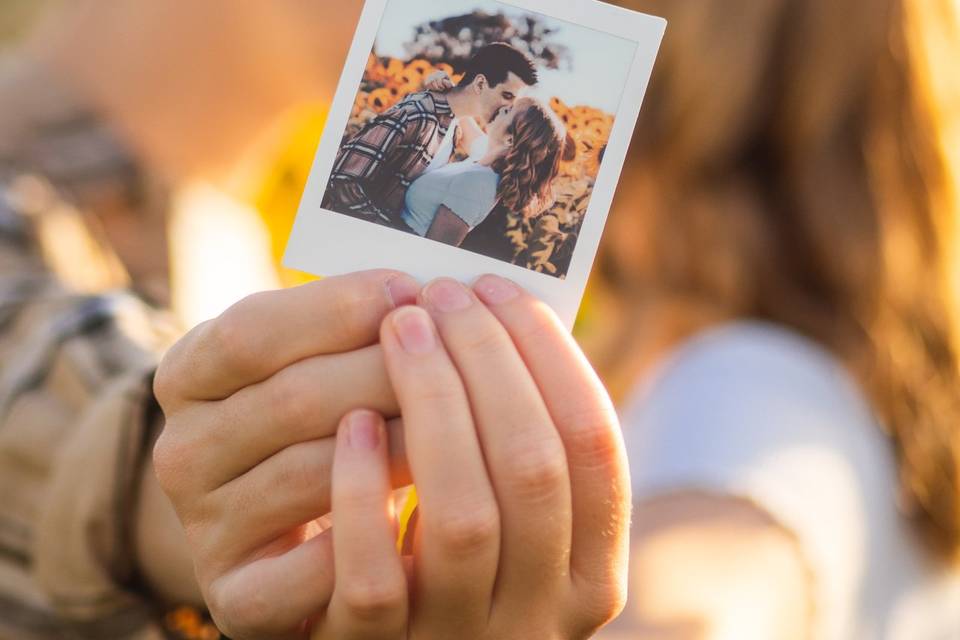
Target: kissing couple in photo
x,y
399,171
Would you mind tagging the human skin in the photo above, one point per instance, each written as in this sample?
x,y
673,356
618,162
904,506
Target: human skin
x,y
193,85
512,441
481,101
447,226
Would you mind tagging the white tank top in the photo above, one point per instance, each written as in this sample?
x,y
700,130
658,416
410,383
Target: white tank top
x,y
758,412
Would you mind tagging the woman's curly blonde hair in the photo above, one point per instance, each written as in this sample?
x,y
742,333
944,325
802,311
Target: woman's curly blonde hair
x,y
528,168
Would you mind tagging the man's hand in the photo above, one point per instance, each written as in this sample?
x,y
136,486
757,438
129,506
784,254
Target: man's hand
x,y
252,402
438,82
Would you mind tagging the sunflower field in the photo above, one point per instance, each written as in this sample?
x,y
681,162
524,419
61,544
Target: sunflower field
x,y
544,243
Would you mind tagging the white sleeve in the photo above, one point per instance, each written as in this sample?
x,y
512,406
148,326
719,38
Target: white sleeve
x,y
759,413
471,196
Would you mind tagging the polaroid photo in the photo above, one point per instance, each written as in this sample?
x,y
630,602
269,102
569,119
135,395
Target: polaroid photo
x,y
477,136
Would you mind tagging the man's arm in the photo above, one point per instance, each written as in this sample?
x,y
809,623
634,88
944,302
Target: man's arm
x,y
359,164
705,567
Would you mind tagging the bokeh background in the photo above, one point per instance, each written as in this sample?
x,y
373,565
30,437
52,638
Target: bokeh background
x,y
227,232
258,202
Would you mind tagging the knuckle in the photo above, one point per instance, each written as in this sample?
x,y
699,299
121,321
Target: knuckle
x,y
307,468
538,472
464,531
291,402
351,308
601,603
439,392
164,383
241,609
171,459
489,339
592,436
213,533
228,335
221,604
171,381
359,495
370,599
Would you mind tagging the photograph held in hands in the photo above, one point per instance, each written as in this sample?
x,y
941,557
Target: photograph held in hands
x,y
484,137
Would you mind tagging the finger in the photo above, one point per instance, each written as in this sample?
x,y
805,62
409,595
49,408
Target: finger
x,y
587,423
370,597
302,402
273,597
288,490
458,521
262,334
263,506
525,456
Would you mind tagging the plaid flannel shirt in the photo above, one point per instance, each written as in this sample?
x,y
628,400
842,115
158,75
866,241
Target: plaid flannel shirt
x,y
375,168
77,356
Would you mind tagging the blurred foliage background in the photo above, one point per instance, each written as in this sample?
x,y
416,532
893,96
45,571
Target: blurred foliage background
x,y
273,188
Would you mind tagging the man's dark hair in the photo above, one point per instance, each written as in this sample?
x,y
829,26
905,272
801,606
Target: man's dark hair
x,y
496,61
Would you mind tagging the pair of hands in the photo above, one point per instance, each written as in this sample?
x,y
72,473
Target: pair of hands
x,y
287,408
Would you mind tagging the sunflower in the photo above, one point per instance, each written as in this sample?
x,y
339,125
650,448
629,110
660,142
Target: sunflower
x,y
395,67
381,100
420,67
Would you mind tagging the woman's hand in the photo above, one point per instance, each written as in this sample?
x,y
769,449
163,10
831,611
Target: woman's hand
x,y
252,402
438,82
520,470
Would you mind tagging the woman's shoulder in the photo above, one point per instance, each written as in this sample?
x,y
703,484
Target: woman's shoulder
x,y
740,395
756,362
473,170
473,182
758,411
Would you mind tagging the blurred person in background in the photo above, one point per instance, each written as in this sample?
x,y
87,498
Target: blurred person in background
x,y
107,110
787,171
781,262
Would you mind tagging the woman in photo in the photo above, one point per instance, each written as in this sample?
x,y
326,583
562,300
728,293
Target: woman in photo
x,y
524,148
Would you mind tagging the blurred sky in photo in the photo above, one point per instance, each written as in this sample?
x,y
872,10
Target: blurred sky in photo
x,y
601,62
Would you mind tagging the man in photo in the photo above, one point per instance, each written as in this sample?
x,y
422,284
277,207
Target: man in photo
x,y
374,169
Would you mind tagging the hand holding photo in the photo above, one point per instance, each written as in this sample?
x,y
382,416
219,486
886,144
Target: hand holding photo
x,y
485,137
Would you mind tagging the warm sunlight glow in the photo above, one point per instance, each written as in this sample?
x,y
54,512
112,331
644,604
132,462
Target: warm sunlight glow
x,y
221,253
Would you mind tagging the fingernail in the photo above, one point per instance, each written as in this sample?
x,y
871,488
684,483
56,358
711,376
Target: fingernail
x,y
402,290
415,330
447,296
363,431
494,290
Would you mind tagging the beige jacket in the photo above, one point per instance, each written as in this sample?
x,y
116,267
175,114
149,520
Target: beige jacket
x,y
77,354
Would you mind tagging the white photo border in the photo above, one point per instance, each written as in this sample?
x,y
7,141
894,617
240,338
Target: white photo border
x,y
327,243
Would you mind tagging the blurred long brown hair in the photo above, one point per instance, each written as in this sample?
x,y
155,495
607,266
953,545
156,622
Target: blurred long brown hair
x,y
789,167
